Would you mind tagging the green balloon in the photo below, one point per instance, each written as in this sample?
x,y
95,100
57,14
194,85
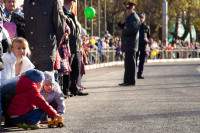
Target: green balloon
x,y
89,12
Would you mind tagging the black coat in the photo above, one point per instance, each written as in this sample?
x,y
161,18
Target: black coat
x,y
130,35
20,23
144,35
5,44
44,28
75,28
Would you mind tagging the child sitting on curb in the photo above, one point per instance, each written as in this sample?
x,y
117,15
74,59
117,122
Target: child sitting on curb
x,y
52,94
23,109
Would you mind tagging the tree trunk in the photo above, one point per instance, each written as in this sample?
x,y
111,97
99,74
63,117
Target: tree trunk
x,y
198,35
186,24
177,26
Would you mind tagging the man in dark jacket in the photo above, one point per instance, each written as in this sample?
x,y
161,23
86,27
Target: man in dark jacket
x,y
73,85
45,26
143,40
130,37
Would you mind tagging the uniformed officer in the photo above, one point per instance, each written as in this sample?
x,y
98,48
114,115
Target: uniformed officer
x,y
130,37
45,26
143,40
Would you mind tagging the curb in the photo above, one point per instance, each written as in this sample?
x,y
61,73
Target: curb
x,y
173,60
96,66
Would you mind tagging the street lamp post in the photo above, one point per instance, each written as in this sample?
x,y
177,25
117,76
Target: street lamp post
x,y
165,21
91,20
85,19
77,8
98,21
105,24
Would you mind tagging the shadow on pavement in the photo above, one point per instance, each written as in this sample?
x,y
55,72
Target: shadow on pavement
x,y
161,115
15,129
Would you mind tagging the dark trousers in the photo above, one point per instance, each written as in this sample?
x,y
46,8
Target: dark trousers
x,y
130,67
7,94
71,82
44,66
141,54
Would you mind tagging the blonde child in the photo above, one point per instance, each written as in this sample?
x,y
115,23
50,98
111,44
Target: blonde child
x,y
16,60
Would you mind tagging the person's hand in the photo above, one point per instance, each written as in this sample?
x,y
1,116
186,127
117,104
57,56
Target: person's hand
x,y
60,117
123,21
124,27
22,74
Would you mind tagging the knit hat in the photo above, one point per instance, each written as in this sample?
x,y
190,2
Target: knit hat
x,y
35,75
49,77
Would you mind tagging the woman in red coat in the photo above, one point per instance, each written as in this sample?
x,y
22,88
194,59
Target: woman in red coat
x,y
28,106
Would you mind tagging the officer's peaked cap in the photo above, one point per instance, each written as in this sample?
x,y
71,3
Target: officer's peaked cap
x,y
129,5
141,15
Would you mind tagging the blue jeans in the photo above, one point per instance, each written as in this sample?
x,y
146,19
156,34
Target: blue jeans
x,y
34,115
7,92
6,89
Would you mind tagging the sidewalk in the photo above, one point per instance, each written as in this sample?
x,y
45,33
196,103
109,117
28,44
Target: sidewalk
x,y
95,66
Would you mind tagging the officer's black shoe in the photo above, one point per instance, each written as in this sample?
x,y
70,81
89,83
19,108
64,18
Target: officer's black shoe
x,y
126,84
81,94
122,84
140,77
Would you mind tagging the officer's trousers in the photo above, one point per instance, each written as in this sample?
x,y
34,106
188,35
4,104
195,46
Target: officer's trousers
x,y
130,67
141,54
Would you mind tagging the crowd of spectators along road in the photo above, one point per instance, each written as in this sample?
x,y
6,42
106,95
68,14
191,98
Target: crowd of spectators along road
x,y
109,41
175,45
112,42
94,43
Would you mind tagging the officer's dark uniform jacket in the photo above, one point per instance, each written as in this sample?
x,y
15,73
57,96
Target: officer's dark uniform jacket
x,y
144,36
130,35
45,27
75,36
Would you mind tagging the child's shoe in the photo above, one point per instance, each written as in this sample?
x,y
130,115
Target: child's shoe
x,y
24,126
19,125
33,127
30,124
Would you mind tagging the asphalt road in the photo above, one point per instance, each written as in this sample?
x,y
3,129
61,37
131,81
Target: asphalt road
x,y
166,101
